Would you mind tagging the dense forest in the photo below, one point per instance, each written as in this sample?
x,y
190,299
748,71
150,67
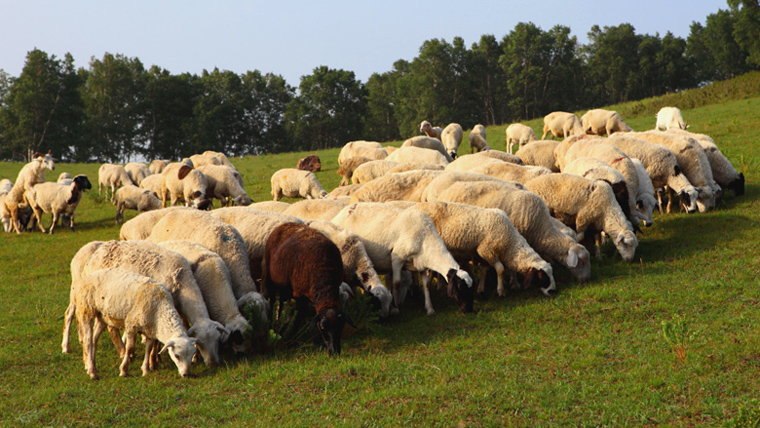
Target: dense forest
x,y
115,109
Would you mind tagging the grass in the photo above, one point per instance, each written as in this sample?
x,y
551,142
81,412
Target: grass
x,y
596,355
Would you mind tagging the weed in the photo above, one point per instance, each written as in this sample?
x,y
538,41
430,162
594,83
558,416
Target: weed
x,y
678,335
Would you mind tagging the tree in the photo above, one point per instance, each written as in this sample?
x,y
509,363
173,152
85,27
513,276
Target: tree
x,y
612,63
266,98
747,28
168,116
490,88
380,124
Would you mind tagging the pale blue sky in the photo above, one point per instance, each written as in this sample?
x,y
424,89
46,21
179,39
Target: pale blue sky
x,y
291,38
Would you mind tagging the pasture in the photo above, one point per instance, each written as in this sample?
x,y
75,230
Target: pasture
x,y
594,355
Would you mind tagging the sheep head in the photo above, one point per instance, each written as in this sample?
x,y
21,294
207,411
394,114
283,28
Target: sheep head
x,y
737,185
181,350
688,197
626,244
541,278
329,323
209,334
460,288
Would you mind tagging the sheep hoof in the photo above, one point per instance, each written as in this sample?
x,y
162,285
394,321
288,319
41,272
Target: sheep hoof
x,y
431,312
93,375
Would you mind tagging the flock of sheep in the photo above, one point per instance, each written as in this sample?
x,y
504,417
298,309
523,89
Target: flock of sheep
x,y
398,212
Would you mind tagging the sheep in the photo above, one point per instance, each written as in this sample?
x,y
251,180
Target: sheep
x,y
222,184
509,171
213,278
428,143
141,226
414,166
63,178
371,170
30,174
451,136
112,176
222,158
134,198
396,238
137,172
468,162
57,199
153,182
294,183
157,166
645,200
471,232
477,139
519,134
304,264
311,209
603,122
662,167
502,156
273,206
357,266
202,160
309,163
445,180
430,131
181,181
530,216
539,153
5,187
347,168
587,206
390,149
164,266
562,125
595,169
343,191
370,149
137,304
670,118
404,186
411,154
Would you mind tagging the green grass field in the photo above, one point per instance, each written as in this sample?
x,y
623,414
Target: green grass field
x,y
595,355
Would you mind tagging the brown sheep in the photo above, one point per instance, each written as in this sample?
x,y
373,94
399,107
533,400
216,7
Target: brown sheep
x,y
310,163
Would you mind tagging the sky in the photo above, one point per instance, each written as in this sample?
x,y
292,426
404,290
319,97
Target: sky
x,y
292,38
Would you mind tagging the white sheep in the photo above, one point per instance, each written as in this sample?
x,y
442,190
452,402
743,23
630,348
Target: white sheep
x,y
153,182
202,160
396,238
312,209
539,153
5,187
30,174
157,166
562,125
530,216
369,171
509,171
273,206
137,172
346,168
411,154
723,172
424,142
404,186
477,139
112,176
294,183
645,200
141,225
472,233
222,184
222,158
451,136
183,182
134,198
57,199
468,162
343,191
125,300
520,135
595,169
670,118
603,122
369,149
415,166
448,178
63,178
430,131
502,156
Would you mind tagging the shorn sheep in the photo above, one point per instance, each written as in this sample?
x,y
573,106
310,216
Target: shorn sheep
x,y
424,142
451,136
112,177
57,199
136,304
430,130
520,135
294,183
670,118
477,139
562,125
304,264
603,122
369,149
30,174
539,153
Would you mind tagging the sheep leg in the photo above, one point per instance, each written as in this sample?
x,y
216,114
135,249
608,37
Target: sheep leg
x,y
427,278
71,222
129,348
52,225
38,215
113,332
84,324
672,197
67,318
146,365
500,279
397,265
482,281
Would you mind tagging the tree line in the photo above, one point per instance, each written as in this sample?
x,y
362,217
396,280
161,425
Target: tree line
x,y
116,109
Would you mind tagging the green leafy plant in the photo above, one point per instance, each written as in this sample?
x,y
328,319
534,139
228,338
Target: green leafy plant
x,y
678,335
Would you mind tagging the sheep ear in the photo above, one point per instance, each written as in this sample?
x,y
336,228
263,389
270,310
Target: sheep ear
x,y
222,329
572,258
619,239
183,171
168,345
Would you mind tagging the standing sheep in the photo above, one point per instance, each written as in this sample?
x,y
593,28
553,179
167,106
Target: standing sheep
x,y
137,172
30,174
540,153
157,166
371,170
451,136
134,198
57,199
427,143
5,187
183,182
645,200
603,122
562,125
519,134
404,186
347,168
670,118
222,184
369,149
595,169
477,139
312,209
112,176
294,183
430,131
153,182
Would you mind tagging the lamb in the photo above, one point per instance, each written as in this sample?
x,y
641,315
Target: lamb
x,y
347,168
603,122
428,143
562,125
164,266
404,186
670,118
310,163
134,198
530,216
519,134
471,232
304,264
357,266
477,139
589,207
539,153
30,174
645,201
468,162
181,181
112,176
57,199
411,154
126,300
137,172
312,209
430,131
371,170
509,171
272,206
157,166
451,136
222,184
294,183
396,238
369,149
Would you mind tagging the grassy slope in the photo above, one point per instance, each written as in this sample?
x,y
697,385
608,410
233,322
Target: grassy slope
x,y
593,356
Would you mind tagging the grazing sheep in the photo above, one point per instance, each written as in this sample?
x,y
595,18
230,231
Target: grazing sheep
x,y
603,122
645,200
137,172
30,174
468,162
519,134
471,232
670,118
134,198
309,163
404,186
451,136
411,154
347,168
427,143
57,199
312,209
141,226
293,183
447,178
390,149
183,182
304,264
430,131
5,187
587,206
222,184
157,166
369,171
539,153
477,139
509,171
63,178
396,238
112,176
723,172
530,216
273,206
562,125
369,149
222,158
138,305
153,182
502,156
415,166
595,169
202,160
